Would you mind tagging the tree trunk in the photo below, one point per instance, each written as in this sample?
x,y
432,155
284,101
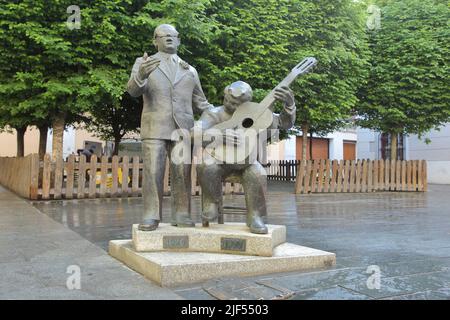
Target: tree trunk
x,y
116,145
58,134
310,144
305,129
43,130
394,146
20,141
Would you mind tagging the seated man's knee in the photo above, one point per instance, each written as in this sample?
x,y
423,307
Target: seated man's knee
x,y
208,171
255,171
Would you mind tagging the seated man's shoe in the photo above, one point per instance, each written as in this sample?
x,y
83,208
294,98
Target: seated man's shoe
x,y
257,226
210,213
148,225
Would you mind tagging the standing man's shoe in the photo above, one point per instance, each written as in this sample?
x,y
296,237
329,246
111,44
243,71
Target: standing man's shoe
x,y
148,225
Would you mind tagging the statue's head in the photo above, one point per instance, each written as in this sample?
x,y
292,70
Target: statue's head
x,y
236,94
165,38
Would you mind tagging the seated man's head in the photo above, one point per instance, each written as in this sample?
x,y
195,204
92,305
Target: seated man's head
x,y
236,94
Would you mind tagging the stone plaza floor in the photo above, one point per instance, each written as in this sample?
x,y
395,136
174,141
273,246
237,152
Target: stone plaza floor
x,y
404,236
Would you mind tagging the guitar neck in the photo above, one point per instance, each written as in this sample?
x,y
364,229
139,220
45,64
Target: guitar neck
x,y
269,100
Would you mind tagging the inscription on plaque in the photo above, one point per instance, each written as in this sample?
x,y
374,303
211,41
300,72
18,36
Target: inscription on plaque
x,y
175,242
233,244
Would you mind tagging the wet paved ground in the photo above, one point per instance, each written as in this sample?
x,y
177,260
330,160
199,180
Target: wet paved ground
x,y
36,252
406,236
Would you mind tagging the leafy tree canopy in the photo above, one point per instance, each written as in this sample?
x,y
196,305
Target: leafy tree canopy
x,y
47,68
407,91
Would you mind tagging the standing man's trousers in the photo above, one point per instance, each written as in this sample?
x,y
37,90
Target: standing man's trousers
x,y
155,153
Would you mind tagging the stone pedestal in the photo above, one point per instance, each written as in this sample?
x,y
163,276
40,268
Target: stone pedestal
x,y
177,268
234,238
174,256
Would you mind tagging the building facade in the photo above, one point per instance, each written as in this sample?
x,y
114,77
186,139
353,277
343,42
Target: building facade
x,y
73,140
340,145
374,145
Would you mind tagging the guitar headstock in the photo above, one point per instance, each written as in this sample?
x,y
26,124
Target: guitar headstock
x,y
305,66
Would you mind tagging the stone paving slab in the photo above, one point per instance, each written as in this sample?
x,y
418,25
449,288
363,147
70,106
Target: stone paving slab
x,y
314,280
332,293
440,294
194,294
35,252
397,286
418,267
241,289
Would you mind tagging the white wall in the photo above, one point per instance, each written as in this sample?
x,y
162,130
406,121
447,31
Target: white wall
x,y
437,150
68,142
438,172
275,151
368,144
337,143
290,148
286,149
437,153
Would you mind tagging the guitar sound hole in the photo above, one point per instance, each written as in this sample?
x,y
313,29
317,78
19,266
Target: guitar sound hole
x,y
247,123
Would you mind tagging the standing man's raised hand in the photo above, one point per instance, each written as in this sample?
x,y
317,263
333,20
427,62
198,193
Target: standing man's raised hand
x,y
147,66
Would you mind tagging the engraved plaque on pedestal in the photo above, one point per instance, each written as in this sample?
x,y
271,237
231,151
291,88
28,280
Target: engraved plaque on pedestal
x,y
231,238
175,242
233,244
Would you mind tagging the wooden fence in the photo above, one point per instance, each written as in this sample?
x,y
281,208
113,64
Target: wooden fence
x,y
282,170
314,176
20,175
122,177
100,178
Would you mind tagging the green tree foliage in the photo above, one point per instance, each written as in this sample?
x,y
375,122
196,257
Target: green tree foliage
x,y
407,91
39,71
49,71
126,32
260,41
113,123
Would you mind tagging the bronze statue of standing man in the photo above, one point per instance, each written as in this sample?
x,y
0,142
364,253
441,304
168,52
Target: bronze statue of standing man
x,y
172,93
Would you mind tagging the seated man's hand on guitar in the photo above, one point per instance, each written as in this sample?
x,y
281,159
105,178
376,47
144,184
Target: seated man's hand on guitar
x,y
285,95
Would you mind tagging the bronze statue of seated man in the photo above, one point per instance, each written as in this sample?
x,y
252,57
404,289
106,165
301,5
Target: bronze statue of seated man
x,y
252,176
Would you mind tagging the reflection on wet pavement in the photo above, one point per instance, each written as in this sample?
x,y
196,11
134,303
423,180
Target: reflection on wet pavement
x,y
392,230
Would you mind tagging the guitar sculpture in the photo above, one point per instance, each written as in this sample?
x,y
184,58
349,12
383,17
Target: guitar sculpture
x,y
249,118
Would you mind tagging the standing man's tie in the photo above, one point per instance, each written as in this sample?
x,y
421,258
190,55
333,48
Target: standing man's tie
x,y
172,67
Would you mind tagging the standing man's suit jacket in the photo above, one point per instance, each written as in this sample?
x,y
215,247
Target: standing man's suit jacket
x,y
170,100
